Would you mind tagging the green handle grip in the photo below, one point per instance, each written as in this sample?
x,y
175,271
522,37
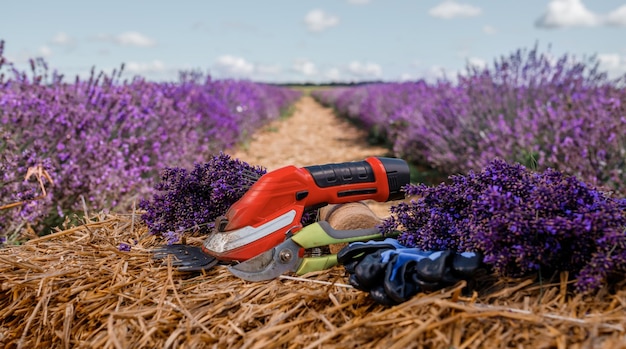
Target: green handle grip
x,y
322,234
310,264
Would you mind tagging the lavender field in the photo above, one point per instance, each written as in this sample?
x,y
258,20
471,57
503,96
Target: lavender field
x,y
102,142
535,152
528,107
537,146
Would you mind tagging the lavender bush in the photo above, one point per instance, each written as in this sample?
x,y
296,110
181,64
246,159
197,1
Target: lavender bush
x,y
527,108
522,221
106,141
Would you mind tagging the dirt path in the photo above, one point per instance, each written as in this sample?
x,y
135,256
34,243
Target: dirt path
x,y
312,135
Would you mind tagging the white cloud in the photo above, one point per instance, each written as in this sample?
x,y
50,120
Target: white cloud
x,y
435,73
304,67
233,65
368,70
487,29
451,9
359,2
407,77
24,56
318,20
20,57
609,60
155,66
613,63
567,13
477,62
134,39
333,74
128,39
45,51
617,17
62,39
573,13
268,69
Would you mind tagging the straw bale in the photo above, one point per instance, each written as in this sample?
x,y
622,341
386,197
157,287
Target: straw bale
x,y
75,289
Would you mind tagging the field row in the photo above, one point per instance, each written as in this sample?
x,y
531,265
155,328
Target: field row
x,y
102,143
528,108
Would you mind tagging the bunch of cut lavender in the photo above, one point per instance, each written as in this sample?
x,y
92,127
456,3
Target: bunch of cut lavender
x,y
194,199
522,221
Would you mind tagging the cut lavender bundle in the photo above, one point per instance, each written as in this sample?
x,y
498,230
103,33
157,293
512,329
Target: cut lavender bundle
x,y
522,221
194,199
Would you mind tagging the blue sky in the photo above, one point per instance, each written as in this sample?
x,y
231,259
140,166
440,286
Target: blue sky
x,y
306,40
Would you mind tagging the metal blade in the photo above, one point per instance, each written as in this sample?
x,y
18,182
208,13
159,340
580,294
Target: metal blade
x,y
186,257
270,264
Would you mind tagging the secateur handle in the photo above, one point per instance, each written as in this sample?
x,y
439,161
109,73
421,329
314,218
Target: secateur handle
x,y
322,234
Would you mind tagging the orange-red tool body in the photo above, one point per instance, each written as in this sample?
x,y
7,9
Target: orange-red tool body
x,y
274,205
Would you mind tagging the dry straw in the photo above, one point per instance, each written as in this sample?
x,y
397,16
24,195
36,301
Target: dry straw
x,y
75,289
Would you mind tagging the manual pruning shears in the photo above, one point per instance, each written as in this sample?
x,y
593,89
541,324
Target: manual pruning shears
x,y
289,255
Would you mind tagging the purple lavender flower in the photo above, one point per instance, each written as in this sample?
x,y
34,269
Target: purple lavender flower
x,y
522,221
187,200
124,247
172,237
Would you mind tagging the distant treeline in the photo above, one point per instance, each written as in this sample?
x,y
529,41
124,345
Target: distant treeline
x,y
327,84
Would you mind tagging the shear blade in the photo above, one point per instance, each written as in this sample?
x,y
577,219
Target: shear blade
x,y
270,264
186,257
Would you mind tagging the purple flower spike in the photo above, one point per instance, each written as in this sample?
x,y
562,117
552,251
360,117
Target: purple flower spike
x,y
171,237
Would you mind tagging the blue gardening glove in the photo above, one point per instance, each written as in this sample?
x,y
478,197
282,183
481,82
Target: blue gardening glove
x,y
393,273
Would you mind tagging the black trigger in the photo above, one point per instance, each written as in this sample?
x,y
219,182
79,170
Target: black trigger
x,y
302,194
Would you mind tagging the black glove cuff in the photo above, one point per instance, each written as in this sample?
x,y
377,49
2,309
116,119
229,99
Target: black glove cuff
x,y
358,250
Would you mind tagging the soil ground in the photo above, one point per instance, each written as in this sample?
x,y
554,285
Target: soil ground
x,y
312,135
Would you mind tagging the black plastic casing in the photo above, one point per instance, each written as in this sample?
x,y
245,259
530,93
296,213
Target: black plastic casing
x,y
398,175
346,173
